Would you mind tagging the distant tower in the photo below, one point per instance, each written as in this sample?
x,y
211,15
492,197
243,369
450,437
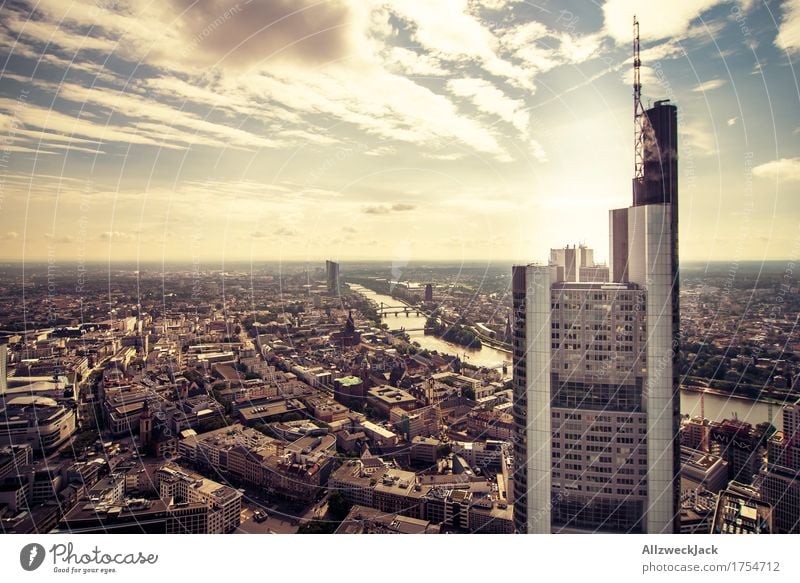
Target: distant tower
x,y
704,435
145,426
183,389
576,263
429,292
3,371
332,276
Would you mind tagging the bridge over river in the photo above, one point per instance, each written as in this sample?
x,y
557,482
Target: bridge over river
x,y
387,310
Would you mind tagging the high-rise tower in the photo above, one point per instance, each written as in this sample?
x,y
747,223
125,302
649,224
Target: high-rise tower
x,y
780,476
145,426
3,365
596,399
332,277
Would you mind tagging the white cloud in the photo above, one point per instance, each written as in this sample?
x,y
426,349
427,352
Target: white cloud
x,y
377,102
495,4
282,79
376,210
783,169
788,37
648,76
115,236
179,125
709,85
696,134
63,239
448,30
49,121
403,206
489,99
398,207
199,34
658,20
414,63
543,49
445,27
64,37
450,156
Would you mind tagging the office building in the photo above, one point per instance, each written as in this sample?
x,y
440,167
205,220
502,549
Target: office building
x,y
105,509
384,398
739,444
332,277
177,486
740,510
596,398
698,507
703,470
365,520
425,449
577,263
13,458
37,421
424,421
780,484
3,366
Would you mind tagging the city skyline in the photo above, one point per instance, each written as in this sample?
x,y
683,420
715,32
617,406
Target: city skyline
x,y
350,130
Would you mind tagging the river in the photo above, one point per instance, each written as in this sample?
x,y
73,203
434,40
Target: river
x,y
717,407
487,356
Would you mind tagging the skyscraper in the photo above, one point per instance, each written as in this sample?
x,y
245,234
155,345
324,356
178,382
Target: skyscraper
x,y
596,399
3,365
577,263
781,475
332,276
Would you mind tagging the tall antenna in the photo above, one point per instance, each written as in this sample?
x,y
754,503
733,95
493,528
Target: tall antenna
x,y
638,110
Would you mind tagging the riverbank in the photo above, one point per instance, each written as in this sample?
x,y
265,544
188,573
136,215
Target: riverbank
x,y
718,404
485,357
769,399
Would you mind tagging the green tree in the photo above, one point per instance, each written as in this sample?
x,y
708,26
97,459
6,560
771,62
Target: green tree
x,y
338,506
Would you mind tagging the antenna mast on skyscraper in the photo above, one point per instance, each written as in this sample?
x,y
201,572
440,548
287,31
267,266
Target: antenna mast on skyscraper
x,y
638,110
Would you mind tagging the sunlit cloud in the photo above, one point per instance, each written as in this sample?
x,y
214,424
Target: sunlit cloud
x,y
783,170
788,37
709,85
281,123
673,18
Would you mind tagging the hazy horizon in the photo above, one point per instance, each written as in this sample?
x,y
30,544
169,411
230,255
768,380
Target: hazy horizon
x,y
408,130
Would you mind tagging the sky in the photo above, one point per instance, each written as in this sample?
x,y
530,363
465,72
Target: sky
x,y
222,130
